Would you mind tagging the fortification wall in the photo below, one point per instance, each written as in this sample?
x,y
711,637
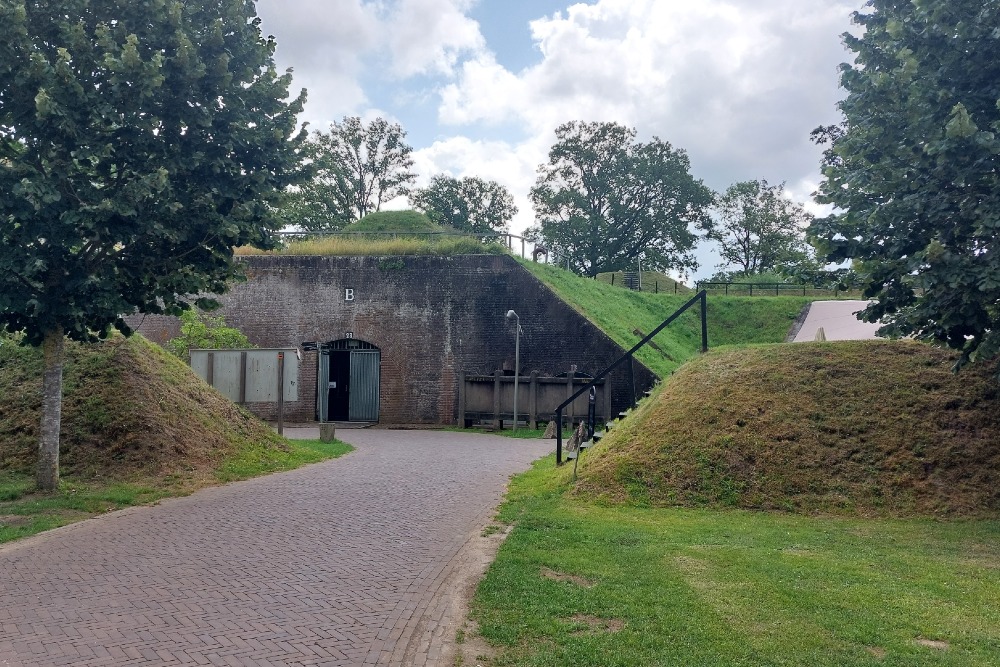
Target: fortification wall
x,y
432,318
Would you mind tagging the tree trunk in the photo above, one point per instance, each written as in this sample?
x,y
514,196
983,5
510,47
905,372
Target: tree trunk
x,y
47,477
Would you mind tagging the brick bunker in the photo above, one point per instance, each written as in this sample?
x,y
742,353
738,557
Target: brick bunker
x,y
429,318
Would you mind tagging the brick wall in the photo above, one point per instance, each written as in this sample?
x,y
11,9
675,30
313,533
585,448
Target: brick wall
x,y
432,318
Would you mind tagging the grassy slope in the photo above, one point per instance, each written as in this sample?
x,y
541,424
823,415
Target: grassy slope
x,y
620,312
652,281
137,426
129,408
871,427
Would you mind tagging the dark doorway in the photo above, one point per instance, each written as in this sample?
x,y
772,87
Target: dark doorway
x,y
348,381
340,386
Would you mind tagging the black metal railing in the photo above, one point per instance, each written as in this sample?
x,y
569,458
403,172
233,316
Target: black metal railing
x,y
776,289
701,297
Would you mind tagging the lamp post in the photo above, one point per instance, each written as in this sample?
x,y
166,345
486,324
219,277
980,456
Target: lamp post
x,y
512,317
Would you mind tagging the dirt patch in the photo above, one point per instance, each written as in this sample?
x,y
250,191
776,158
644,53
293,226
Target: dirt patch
x,y
876,651
595,624
569,578
14,521
689,565
935,644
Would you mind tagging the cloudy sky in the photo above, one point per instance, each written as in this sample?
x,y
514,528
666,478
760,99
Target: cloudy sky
x,y
480,85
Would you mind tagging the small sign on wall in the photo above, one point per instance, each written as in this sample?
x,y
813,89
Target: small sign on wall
x,y
349,334
349,294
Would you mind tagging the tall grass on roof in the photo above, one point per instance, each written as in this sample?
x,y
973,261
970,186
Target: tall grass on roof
x,y
381,246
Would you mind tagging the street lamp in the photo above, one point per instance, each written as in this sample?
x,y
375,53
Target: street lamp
x,y
512,317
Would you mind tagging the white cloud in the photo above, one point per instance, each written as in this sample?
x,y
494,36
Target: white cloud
x,y
430,36
739,85
485,92
324,42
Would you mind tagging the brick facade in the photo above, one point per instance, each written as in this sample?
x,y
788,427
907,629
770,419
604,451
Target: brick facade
x,y
431,317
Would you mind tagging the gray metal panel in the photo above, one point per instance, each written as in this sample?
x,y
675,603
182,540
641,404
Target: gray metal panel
x,y
323,387
364,397
226,373
199,363
262,376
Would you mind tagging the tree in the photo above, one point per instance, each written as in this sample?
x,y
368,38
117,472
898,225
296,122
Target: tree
x,y
356,169
604,200
468,204
139,143
914,171
319,203
759,229
202,331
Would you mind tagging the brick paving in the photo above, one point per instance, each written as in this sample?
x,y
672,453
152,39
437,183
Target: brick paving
x,y
339,563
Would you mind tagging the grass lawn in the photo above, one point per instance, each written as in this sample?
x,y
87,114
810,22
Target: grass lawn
x,y
24,512
580,584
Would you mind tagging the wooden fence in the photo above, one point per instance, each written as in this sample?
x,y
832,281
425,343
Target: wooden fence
x,y
490,398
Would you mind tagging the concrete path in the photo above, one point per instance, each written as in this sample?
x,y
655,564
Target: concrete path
x,y
339,563
838,320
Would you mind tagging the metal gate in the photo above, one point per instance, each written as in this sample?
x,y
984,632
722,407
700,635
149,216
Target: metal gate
x,y
364,402
357,365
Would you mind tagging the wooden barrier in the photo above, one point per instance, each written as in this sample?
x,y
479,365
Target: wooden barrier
x,y
490,398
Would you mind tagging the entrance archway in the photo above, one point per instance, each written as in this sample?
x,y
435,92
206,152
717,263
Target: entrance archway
x,y
348,381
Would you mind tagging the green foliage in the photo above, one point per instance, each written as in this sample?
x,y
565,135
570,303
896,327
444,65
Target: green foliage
x,y
468,204
915,171
395,221
356,167
139,143
202,331
604,201
759,229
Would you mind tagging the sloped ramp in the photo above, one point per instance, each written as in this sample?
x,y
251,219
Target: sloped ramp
x,y
839,321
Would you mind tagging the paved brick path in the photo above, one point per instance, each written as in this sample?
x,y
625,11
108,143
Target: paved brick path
x,y
333,564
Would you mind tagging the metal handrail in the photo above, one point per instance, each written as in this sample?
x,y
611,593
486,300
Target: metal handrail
x,y
769,288
702,297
